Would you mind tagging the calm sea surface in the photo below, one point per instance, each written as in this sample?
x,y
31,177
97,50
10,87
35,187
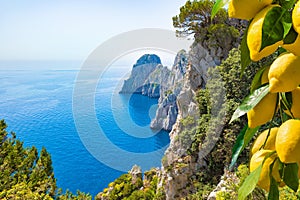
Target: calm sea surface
x,y
37,105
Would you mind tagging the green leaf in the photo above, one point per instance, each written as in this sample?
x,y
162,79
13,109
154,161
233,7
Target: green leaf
x,y
290,37
250,102
256,82
286,100
290,176
249,183
217,6
287,4
273,192
276,26
251,180
242,141
245,53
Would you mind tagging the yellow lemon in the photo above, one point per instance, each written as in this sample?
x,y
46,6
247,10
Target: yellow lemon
x,y
296,17
264,179
295,109
261,140
294,47
264,77
254,36
263,111
288,141
284,73
245,9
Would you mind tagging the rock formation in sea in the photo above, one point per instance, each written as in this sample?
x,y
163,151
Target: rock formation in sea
x,y
150,78
140,72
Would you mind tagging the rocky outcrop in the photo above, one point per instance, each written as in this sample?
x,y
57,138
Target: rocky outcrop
x,y
229,179
140,72
136,174
171,86
157,81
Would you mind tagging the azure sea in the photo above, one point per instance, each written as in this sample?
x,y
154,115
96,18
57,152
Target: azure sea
x,y
37,105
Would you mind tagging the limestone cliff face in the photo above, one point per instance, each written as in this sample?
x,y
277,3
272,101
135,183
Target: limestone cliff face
x,y
140,72
170,87
178,167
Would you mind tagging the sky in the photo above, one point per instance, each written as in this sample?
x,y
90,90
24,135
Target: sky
x,y
70,30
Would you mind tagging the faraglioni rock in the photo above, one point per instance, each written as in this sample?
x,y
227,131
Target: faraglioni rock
x,y
150,78
140,72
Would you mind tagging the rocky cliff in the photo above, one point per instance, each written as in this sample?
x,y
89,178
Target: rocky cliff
x,y
171,85
140,72
180,168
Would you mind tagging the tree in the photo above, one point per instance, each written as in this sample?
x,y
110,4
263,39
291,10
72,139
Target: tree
x,y
22,168
196,15
26,174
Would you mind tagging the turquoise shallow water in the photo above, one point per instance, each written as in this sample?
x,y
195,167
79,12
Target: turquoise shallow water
x,y
37,105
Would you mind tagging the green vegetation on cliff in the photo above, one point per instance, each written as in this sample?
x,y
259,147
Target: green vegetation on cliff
x,y
132,186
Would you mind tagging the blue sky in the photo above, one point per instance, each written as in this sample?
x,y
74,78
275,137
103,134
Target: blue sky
x,y
70,30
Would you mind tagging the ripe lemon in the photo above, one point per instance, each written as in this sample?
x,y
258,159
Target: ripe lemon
x,y
264,77
263,111
260,141
296,17
254,37
294,47
288,141
245,9
284,74
295,109
264,179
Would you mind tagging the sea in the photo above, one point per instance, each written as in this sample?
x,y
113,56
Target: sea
x,y
37,104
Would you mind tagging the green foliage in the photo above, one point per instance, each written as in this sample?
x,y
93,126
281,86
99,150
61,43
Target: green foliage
x,y
234,183
78,196
24,165
250,102
25,173
277,26
196,15
223,76
242,141
203,190
189,120
127,188
218,6
221,35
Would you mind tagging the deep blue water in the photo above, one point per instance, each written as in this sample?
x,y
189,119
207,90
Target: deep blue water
x,y
37,105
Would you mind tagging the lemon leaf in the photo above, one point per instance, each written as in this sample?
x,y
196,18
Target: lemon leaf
x,y
290,176
217,6
290,37
242,141
273,192
286,101
245,53
250,102
249,183
276,26
256,82
287,4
